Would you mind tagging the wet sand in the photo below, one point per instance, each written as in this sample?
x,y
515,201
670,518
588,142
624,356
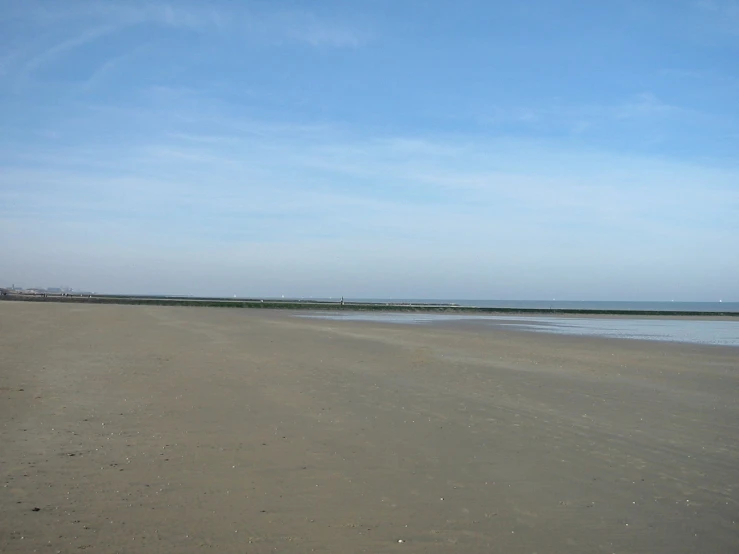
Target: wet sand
x,y
166,429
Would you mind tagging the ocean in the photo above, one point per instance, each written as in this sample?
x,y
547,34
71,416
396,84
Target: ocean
x,y
679,329
661,306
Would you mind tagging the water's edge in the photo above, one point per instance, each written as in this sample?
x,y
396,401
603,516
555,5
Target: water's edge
x,y
684,330
352,306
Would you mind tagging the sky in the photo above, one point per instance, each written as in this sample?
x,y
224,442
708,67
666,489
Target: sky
x,y
379,149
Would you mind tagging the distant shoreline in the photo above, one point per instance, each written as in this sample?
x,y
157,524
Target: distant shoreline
x,y
292,304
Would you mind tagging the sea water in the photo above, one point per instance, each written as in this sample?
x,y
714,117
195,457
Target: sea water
x,y
696,331
661,306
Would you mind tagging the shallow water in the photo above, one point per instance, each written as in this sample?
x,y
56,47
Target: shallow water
x,y
724,333
577,305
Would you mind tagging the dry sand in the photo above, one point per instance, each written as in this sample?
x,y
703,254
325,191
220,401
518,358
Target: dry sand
x,y
162,429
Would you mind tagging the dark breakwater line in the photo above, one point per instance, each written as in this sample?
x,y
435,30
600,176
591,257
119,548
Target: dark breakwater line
x,y
347,306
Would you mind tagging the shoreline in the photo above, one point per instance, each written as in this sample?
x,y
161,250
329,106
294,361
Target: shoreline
x,y
347,306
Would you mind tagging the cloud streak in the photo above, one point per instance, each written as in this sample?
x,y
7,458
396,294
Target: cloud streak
x,y
289,145
86,23
385,183
51,54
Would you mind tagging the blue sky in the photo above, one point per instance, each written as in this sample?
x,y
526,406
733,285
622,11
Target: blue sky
x,y
466,149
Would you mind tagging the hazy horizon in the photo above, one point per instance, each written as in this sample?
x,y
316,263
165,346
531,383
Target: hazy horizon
x,y
465,150
484,301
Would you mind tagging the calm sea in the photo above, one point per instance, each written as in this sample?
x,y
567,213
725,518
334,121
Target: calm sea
x,y
677,329
571,304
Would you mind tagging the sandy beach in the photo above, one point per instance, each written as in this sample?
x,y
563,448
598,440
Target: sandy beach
x,y
166,429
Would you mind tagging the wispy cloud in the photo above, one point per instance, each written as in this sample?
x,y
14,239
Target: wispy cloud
x,y
643,105
307,27
390,198
723,7
224,129
55,31
52,53
645,110
257,22
723,15
299,171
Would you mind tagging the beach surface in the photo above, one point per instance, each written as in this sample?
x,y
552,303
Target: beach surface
x,y
170,429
